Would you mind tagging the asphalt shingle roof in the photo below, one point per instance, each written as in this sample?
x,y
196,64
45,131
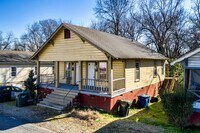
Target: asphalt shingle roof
x,y
15,56
116,46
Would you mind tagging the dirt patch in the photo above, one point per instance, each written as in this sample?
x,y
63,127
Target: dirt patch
x,y
77,120
87,115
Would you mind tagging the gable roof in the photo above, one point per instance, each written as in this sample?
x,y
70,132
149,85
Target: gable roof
x,y
7,56
115,46
185,56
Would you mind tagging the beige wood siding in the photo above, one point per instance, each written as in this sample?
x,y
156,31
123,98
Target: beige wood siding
x,y
118,69
84,70
73,49
22,73
146,74
62,78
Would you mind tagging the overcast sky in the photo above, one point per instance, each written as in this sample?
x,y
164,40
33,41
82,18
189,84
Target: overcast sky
x,y
15,15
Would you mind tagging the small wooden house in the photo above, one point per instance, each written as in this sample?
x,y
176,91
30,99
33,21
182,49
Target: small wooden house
x,y
191,64
98,67
16,65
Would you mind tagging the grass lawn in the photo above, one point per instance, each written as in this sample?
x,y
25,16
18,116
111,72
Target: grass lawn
x,y
154,115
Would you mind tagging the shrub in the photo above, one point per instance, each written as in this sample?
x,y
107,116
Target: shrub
x,y
30,85
175,71
177,106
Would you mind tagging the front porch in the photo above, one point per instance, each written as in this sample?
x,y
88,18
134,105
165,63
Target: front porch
x,y
100,87
85,76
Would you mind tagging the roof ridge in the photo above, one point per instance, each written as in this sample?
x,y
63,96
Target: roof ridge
x,y
110,44
134,42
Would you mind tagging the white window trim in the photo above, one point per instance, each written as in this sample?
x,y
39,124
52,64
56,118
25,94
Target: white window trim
x,y
137,79
99,69
11,71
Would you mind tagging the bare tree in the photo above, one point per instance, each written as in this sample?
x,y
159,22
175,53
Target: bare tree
x,y
110,14
38,33
1,38
194,29
131,29
49,26
161,22
7,42
18,46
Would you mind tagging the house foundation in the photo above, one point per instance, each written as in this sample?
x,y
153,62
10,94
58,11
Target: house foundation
x,y
109,104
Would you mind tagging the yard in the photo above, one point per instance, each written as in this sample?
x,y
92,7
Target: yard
x,y
149,120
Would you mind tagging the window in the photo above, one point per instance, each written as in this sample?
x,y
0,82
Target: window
x,y
16,89
137,71
66,33
35,70
163,68
53,69
155,69
13,71
102,70
68,70
6,89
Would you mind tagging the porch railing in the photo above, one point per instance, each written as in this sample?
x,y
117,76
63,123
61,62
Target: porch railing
x,y
47,78
118,84
95,85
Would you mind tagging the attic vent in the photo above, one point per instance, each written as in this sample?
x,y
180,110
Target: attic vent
x,y
66,33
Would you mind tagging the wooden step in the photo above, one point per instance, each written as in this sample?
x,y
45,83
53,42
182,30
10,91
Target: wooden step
x,y
59,101
64,94
52,106
61,98
65,91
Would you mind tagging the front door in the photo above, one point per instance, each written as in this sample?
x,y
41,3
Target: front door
x,y
91,73
77,73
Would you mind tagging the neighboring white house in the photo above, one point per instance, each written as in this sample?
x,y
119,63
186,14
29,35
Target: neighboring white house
x,y
16,65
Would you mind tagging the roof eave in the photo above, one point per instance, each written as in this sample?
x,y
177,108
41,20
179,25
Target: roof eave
x,y
84,38
182,58
33,57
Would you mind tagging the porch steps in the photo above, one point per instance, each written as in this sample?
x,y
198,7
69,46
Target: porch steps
x,y
59,99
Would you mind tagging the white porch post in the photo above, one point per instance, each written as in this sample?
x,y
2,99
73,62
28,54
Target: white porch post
x,y
57,73
110,75
38,72
80,76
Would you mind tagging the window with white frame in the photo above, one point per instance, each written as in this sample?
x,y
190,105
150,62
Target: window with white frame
x,y
102,70
68,70
13,70
155,71
137,71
